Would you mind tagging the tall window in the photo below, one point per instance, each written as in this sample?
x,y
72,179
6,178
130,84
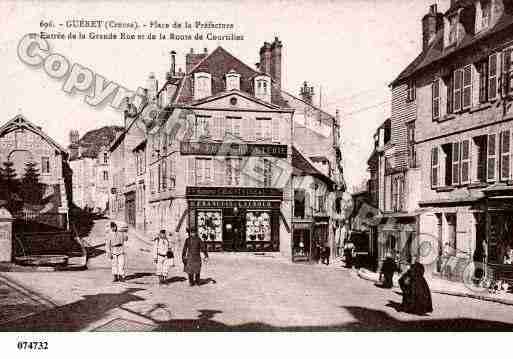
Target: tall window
x,y
480,143
410,91
204,171
233,125
233,168
261,88
435,91
458,86
449,82
465,161
202,86
105,175
453,29
462,88
455,163
264,129
202,126
172,174
45,164
105,158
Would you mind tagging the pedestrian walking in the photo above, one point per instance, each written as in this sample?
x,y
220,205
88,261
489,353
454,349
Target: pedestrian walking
x,y
115,250
416,293
348,254
162,255
387,272
326,253
191,257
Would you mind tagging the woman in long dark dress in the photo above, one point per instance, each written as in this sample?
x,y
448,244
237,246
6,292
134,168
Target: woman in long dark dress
x,y
387,270
191,257
416,293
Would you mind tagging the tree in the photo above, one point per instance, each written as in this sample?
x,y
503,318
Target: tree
x,y
11,186
32,189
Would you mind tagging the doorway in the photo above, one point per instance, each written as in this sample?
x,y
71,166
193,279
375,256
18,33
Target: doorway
x,y
233,240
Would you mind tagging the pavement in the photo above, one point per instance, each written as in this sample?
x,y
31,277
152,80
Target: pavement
x,y
239,292
458,289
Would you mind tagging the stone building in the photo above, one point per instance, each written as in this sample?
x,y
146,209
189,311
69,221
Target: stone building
x,y
458,121
216,151
89,162
22,142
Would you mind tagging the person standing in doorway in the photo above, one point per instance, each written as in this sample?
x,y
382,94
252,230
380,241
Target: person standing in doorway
x,y
191,257
115,250
162,255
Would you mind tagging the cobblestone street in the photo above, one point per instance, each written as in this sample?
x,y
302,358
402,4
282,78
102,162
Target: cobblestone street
x,y
239,292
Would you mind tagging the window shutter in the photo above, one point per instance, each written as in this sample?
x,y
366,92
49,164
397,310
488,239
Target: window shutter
x,y
492,77
219,171
491,163
450,94
458,87
507,71
191,171
275,129
467,86
455,163
465,161
505,155
435,91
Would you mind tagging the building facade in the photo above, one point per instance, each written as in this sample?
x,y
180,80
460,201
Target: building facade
x,y
461,87
215,153
23,143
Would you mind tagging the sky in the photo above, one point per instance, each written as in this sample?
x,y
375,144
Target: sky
x,y
348,50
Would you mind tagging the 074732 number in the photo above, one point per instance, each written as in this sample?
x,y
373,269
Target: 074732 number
x,y
32,345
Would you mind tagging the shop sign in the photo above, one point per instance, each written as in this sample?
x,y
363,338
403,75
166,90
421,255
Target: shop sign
x,y
232,204
232,149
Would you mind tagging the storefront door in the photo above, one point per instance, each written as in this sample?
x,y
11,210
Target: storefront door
x,y
232,234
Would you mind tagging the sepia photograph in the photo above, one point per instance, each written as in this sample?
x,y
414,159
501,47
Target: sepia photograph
x,y
255,166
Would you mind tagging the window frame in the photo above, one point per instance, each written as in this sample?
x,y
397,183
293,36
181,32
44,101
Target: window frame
x,y
491,158
493,76
435,99
505,156
457,90
435,167
45,165
410,91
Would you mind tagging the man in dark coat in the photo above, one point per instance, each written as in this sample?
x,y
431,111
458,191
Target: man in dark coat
x,y
416,293
191,257
387,271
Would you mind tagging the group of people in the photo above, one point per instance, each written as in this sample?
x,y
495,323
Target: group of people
x,y
416,293
163,254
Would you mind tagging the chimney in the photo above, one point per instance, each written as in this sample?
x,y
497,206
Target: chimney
x,y
265,58
152,86
192,59
173,63
276,61
431,23
306,92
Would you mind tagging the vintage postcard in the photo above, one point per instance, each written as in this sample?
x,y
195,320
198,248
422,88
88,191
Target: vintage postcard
x,y
275,166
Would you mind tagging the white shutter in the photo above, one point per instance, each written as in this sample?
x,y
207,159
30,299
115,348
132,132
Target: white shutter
x,y
191,171
458,87
491,158
434,167
505,170
275,129
467,86
492,77
455,163
465,161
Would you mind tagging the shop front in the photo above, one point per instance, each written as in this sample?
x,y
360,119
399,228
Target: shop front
x,y
498,248
397,238
236,219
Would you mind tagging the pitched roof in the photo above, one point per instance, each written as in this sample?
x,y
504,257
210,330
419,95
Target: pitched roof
x,y
218,64
299,104
436,52
302,167
92,141
20,121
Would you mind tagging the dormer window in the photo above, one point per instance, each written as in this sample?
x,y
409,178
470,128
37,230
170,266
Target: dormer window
x,y
483,14
232,81
263,88
202,85
453,29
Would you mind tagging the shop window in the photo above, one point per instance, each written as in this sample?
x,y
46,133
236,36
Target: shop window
x,y
258,226
210,226
450,245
